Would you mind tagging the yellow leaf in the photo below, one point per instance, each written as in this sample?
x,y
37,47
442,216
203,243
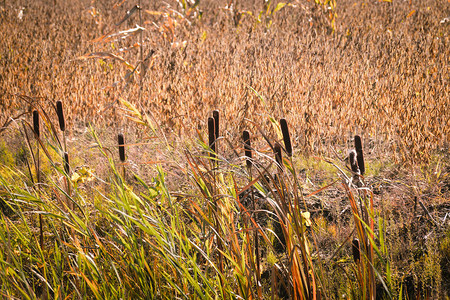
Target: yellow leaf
x,y
279,6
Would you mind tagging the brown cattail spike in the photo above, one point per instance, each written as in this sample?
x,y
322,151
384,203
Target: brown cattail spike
x,y
216,123
121,147
353,161
286,137
278,155
36,123
211,134
356,250
66,163
60,113
360,155
247,147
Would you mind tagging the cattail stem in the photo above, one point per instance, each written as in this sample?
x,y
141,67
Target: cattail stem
x,y
37,133
248,155
216,133
67,179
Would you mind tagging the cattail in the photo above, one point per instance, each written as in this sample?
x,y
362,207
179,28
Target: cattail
x,y
359,152
216,129
356,251
247,147
66,163
60,113
286,137
36,123
353,162
278,155
216,123
211,134
121,147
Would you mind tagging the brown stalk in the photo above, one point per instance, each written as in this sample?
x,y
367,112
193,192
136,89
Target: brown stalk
x,y
37,133
248,155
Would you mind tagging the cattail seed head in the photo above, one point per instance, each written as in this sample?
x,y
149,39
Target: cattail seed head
x,y
360,155
121,147
247,147
356,250
60,113
211,134
216,123
278,155
353,162
66,163
286,137
36,123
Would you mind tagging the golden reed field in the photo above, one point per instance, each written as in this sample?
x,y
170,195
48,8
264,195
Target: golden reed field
x,y
383,72
200,149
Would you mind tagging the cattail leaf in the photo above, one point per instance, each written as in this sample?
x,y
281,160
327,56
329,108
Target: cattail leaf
x,y
60,113
286,137
128,14
36,126
121,147
359,154
247,147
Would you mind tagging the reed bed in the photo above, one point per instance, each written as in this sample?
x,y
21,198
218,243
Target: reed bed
x,y
247,150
